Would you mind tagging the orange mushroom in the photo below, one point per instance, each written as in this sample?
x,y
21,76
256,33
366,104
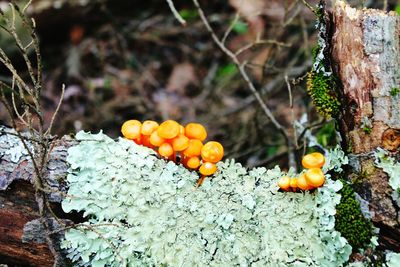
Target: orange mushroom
x,y
206,169
284,183
212,152
194,148
168,129
180,143
146,141
193,163
181,130
165,150
148,127
196,131
315,177
293,184
302,183
156,140
131,129
313,160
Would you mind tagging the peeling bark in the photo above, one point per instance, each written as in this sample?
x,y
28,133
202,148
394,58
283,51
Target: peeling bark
x,y
365,49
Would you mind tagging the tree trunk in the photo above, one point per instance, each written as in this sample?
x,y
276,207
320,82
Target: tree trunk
x,y
366,55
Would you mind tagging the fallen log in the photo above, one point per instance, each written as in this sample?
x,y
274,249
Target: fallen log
x,y
21,243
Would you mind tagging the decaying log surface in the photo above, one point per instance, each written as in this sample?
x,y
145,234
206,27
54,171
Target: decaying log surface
x,y
365,49
21,235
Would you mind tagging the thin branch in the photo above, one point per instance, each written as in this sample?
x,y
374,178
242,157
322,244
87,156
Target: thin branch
x,y
261,42
20,117
30,102
12,31
309,6
31,25
8,64
231,26
242,70
26,6
291,156
176,13
48,131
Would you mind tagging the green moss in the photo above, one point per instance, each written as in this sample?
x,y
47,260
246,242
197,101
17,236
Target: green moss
x,y
367,129
320,10
326,136
321,88
349,220
394,91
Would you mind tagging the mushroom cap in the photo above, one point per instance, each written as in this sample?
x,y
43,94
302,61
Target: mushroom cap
x,y
302,182
131,129
156,140
193,163
180,143
181,130
313,160
196,131
315,177
293,183
194,148
148,127
165,150
284,183
212,152
208,168
168,129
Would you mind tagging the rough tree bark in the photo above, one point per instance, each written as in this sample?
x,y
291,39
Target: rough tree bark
x,y
365,49
366,55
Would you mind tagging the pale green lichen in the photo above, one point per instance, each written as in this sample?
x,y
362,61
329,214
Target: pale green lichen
x,y
392,259
335,159
144,211
392,168
14,149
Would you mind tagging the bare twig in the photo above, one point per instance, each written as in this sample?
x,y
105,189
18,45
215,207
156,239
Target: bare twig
x,y
48,131
29,93
175,12
291,156
26,6
261,42
309,6
241,67
231,26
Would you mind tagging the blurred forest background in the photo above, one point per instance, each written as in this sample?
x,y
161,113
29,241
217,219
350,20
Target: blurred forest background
x,y
123,60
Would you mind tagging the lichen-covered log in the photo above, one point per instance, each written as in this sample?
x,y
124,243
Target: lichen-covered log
x,y
20,243
365,49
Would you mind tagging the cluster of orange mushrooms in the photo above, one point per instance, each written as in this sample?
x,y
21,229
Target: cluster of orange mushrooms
x,y
180,144
312,178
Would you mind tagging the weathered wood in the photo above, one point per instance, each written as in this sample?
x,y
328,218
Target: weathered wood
x,y
21,237
18,207
365,49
